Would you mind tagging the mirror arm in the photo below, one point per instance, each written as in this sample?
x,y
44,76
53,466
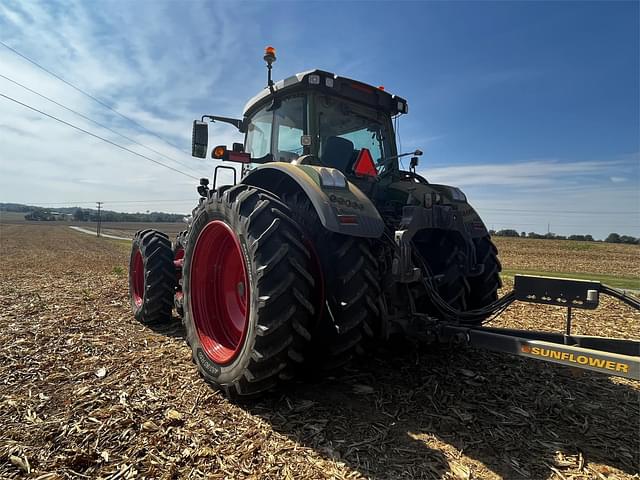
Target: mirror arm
x,y
239,124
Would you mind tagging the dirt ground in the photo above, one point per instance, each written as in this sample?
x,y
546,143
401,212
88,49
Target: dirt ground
x,y
87,392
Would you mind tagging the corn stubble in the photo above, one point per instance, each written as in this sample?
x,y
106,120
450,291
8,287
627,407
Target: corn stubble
x,y
87,392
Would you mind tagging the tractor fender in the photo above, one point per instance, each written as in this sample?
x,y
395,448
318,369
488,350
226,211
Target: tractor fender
x,y
340,205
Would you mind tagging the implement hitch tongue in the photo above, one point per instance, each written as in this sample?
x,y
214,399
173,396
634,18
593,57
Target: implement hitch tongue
x,y
613,356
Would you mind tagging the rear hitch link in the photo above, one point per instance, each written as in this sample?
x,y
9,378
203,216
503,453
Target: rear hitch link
x,y
417,218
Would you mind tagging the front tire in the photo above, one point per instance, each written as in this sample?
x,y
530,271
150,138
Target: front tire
x,y
246,286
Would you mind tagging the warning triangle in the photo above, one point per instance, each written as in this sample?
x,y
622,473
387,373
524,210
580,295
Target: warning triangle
x,y
364,165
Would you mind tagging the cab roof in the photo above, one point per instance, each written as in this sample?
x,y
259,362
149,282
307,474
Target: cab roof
x,y
332,84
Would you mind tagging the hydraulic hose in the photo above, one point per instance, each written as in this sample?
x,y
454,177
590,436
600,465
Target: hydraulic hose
x,y
621,295
491,311
469,316
447,311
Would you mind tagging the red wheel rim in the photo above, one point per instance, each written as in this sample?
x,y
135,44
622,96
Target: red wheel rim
x,y
137,278
219,291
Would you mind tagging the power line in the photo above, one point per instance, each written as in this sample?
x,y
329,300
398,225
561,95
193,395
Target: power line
x,y
104,104
98,137
96,122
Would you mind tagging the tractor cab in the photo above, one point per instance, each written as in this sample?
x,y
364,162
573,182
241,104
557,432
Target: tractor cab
x,y
322,119
315,118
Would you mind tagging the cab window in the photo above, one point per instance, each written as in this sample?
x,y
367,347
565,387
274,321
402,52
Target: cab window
x,y
346,128
370,138
258,142
289,126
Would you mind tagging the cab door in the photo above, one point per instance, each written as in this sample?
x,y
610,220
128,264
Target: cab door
x,y
290,124
278,130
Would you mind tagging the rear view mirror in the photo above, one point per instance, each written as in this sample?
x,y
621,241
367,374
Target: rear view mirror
x,y
199,139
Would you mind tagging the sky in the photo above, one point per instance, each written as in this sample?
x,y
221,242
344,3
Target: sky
x,y
531,108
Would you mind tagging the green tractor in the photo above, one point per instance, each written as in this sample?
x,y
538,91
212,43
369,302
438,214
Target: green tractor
x,y
324,248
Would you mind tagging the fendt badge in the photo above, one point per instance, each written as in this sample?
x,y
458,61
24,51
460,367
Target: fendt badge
x,y
346,202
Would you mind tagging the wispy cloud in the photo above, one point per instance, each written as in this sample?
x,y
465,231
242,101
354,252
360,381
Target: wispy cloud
x,y
517,174
615,179
172,62
531,195
162,76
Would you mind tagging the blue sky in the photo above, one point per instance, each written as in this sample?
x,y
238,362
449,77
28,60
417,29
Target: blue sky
x,y
531,108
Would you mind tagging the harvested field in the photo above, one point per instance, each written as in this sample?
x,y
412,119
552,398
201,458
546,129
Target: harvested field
x,y
87,392
569,256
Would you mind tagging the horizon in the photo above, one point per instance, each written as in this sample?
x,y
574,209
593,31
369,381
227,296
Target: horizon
x,y
187,215
533,112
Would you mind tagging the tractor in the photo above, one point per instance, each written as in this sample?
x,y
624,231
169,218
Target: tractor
x,y
324,248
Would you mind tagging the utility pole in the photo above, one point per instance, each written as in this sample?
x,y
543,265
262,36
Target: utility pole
x,y
99,219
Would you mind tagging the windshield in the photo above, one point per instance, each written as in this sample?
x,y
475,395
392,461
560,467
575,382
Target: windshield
x,y
356,127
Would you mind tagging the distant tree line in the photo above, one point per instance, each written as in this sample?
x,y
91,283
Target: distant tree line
x,y
15,207
87,214
90,215
616,238
47,216
611,238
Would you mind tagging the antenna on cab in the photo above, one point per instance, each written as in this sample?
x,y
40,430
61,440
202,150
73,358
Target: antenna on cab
x,y
269,57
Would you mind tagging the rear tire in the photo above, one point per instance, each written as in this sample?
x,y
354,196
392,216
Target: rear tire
x,y
443,253
484,288
352,288
256,332
151,277
347,273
